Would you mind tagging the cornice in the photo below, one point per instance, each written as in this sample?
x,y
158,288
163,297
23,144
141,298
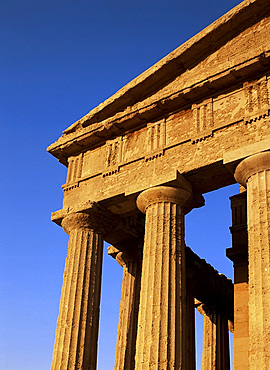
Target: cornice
x,y
142,100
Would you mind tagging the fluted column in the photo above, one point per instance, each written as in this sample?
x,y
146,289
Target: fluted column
x,y
128,314
190,336
254,173
209,342
162,332
215,354
222,353
78,321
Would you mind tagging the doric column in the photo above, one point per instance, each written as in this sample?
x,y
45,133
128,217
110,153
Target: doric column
x,y
209,341
215,354
129,305
78,321
222,353
162,332
190,336
254,173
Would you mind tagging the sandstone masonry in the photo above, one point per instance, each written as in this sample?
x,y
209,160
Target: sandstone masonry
x,y
196,121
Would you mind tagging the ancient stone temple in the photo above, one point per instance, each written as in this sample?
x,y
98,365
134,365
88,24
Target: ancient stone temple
x,y
198,120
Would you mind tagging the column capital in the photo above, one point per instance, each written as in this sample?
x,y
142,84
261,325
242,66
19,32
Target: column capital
x,y
251,165
113,228
95,218
123,257
77,221
160,194
88,215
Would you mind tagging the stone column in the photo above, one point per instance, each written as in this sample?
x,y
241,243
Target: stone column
x,y
222,353
128,314
78,321
162,325
254,173
190,336
215,354
209,342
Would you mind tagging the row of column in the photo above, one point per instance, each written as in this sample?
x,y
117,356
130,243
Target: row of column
x,y
164,311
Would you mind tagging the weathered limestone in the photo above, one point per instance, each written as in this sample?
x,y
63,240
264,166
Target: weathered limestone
x,y
239,255
162,311
254,173
222,338
190,329
195,115
215,339
129,306
78,322
209,342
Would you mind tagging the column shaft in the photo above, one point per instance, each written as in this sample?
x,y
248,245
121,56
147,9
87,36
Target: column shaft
x,y
190,336
78,321
254,173
161,324
209,342
222,351
241,318
259,268
128,317
215,341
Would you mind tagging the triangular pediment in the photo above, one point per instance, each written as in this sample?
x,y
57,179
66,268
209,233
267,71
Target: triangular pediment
x,y
220,58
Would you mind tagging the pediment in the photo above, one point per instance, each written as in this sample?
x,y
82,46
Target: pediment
x,y
225,57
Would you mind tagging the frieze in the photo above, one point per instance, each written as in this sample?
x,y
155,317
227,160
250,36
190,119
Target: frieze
x,y
114,156
156,140
74,172
74,168
257,100
114,152
203,120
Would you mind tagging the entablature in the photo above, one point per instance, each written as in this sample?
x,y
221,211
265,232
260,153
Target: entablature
x,y
209,97
198,97
192,142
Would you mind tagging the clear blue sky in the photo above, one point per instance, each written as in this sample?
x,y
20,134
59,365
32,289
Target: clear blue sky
x,y
59,59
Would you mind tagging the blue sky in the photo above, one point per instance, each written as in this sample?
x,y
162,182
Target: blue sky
x,y
59,59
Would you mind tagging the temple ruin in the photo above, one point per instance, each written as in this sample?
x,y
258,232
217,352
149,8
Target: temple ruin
x,y
197,121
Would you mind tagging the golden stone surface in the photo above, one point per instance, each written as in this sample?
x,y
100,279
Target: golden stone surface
x,y
184,127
